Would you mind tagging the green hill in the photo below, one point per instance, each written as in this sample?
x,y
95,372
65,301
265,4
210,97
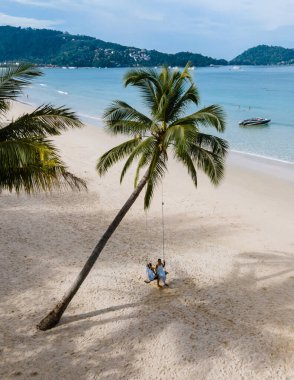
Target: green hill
x,y
265,55
50,47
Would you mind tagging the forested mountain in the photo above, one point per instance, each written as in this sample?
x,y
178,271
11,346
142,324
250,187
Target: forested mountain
x,y
50,47
265,55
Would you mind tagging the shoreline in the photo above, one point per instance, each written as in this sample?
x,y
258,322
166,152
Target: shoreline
x,y
256,156
261,157
276,169
44,66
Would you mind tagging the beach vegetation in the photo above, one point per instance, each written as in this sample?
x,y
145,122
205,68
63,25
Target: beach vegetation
x,y
29,161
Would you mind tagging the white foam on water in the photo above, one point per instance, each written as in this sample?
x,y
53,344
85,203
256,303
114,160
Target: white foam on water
x,y
261,156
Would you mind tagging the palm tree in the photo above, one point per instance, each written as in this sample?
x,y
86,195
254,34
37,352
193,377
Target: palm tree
x,y
152,138
29,161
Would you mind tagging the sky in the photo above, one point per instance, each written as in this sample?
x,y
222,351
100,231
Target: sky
x,y
217,28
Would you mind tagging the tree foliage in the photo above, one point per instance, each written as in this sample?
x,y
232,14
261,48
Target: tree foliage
x,y
44,47
29,161
265,55
166,130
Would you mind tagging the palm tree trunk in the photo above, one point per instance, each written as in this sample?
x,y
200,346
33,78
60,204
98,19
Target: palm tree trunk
x,y
54,316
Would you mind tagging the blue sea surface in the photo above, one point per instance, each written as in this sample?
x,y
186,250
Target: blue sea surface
x,y
243,92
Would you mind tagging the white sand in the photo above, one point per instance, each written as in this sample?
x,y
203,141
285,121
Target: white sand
x,y
228,313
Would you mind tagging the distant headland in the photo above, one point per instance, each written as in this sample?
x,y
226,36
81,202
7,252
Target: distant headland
x,y
55,48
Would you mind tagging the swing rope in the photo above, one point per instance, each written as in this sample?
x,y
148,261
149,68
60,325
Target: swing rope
x,y
162,222
146,220
148,280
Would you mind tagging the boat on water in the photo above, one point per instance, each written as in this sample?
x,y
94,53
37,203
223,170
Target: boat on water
x,y
254,121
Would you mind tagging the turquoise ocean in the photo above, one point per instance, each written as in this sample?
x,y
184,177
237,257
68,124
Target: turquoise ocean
x,y
243,92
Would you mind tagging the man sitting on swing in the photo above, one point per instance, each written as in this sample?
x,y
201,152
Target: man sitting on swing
x,y
160,272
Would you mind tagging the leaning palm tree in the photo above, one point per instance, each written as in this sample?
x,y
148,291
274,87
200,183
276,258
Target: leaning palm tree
x,y
29,162
165,130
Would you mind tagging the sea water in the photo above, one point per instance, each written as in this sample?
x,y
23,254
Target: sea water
x,y
243,92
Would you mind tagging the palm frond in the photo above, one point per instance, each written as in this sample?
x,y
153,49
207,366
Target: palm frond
x,y
157,169
143,148
111,157
33,165
139,77
18,153
212,116
148,84
30,162
215,144
13,80
180,102
121,118
35,177
210,163
184,157
178,94
4,107
180,135
207,151
45,120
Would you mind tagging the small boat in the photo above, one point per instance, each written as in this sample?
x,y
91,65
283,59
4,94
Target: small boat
x,y
254,121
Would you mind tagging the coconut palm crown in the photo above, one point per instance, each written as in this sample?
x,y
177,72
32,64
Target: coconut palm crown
x,y
167,129
29,161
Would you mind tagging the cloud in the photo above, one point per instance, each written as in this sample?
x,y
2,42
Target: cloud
x,y
26,21
40,3
148,16
63,4
266,14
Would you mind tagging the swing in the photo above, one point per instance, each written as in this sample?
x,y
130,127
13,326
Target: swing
x,y
150,272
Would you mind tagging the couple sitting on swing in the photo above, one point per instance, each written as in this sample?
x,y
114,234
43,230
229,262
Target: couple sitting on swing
x,y
156,273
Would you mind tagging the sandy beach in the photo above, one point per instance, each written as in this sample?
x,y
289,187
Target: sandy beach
x,y
228,312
